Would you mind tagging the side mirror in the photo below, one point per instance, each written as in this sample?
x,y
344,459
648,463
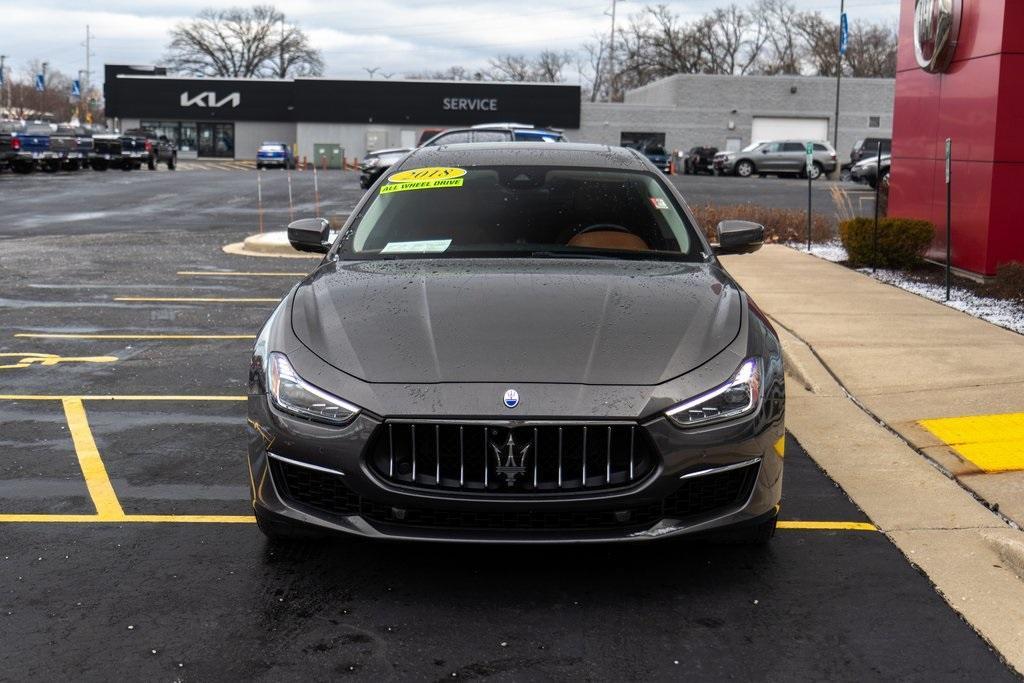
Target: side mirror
x,y
310,234
739,237
764,151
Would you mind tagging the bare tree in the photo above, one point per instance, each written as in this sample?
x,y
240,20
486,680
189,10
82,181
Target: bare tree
x,y
509,68
782,53
54,102
548,66
872,51
242,43
452,73
589,64
820,39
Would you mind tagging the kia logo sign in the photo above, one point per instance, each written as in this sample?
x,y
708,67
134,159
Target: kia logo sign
x,y
936,31
209,99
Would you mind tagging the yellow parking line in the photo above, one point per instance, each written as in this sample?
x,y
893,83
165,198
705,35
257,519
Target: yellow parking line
x,y
230,273
828,526
96,479
96,519
118,397
198,299
40,335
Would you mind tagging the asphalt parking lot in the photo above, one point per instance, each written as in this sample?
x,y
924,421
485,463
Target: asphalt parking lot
x,y
128,549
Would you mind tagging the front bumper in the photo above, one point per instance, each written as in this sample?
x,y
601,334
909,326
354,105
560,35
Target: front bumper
x,y
724,166
348,496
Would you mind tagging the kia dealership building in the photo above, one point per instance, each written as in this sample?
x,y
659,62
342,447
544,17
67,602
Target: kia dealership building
x,y
218,117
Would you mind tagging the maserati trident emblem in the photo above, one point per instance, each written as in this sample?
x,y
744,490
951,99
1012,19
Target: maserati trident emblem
x,y
511,398
510,459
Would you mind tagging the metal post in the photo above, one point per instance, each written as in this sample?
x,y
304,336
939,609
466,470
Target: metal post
x,y
949,213
3,84
839,77
809,200
611,57
291,209
259,199
316,192
878,194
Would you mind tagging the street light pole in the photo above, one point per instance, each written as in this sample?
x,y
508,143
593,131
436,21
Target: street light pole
x,y
3,86
839,75
611,56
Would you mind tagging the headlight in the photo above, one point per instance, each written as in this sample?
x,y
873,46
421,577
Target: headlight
x,y
736,397
295,395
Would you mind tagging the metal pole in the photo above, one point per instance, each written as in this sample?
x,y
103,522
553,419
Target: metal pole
x,y
949,213
878,194
316,192
291,209
611,56
259,199
839,77
809,200
3,84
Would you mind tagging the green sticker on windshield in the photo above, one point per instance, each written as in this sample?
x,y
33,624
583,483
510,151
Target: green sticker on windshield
x,y
421,185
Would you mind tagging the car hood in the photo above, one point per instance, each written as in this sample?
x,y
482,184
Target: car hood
x,y
522,320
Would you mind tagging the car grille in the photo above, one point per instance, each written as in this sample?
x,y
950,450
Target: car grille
x,y
323,492
494,458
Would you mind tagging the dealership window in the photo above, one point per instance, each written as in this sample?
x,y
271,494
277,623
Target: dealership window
x,y
181,133
874,122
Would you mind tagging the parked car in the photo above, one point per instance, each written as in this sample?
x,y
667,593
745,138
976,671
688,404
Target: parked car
x,y
657,155
159,149
700,160
780,157
106,152
867,171
868,147
31,144
496,132
514,404
376,163
275,154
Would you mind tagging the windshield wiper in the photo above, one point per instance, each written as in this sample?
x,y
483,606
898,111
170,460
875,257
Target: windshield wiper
x,y
573,254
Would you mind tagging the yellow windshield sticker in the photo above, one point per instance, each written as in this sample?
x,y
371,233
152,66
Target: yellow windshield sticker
x,y
421,185
428,173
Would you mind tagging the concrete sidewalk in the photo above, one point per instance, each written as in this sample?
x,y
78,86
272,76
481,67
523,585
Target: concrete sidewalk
x,y
867,363
907,360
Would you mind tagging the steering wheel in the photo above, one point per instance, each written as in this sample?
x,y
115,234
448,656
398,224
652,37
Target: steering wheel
x,y
614,227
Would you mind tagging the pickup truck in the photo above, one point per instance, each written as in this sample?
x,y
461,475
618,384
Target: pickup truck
x,y
71,147
134,150
106,152
31,146
7,153
160,150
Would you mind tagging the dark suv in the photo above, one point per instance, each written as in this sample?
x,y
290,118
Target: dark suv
x,y
495,132
868,147
700,160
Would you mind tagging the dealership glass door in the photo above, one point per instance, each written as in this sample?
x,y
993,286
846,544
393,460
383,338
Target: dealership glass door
x,y
216,139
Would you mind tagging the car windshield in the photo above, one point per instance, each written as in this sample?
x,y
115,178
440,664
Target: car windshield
x,y
656,150
538,211
751,147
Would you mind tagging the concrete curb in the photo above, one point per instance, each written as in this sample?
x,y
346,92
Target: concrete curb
x,y
972,556
268,244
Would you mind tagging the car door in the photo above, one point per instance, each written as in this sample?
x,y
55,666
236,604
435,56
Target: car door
x,y
770,154
793,157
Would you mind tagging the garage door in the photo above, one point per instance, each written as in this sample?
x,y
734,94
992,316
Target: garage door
x,y
779,128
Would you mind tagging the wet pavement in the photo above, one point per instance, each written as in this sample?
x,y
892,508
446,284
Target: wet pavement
x,y
127,549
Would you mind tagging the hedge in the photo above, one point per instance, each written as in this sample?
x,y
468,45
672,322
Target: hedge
x,y
901,241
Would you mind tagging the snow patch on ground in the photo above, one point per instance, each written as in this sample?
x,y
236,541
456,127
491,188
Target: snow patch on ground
x,y
830,251
1001,312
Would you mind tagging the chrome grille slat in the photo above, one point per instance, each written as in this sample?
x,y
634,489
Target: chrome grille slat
x,y
511,458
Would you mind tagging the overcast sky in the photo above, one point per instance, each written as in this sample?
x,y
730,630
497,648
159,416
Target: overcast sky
x,y
399,36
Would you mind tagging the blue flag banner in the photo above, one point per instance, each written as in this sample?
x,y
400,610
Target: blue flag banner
x,y
40,82
76,88
844,34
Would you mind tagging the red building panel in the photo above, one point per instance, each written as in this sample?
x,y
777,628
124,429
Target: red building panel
x,y
979,103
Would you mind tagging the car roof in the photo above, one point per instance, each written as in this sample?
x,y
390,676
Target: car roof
x,y
527,153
